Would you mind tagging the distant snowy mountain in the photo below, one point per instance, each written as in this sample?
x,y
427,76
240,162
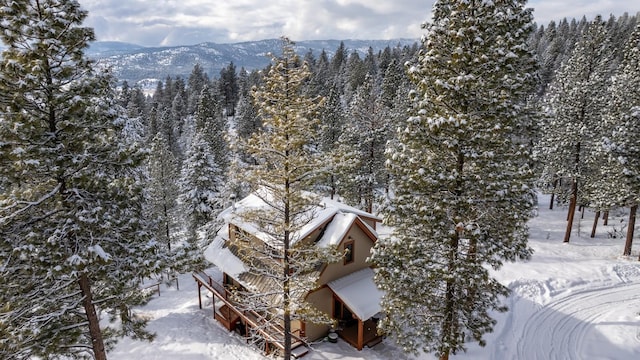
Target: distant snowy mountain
x,y
135,63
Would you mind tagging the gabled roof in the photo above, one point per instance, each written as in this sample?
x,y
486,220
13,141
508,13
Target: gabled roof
x,y
359,293
340,225
337,217
317,216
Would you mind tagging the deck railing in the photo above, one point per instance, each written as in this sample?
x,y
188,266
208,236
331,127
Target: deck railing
x,y
270,332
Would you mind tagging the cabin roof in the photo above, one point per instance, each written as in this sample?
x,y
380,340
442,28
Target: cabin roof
x,y
314,218
359,293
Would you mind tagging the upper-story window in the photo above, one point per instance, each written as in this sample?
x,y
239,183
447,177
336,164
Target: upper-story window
x,y
348,256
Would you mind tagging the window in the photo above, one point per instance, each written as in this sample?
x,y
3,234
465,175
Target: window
x,y
348,249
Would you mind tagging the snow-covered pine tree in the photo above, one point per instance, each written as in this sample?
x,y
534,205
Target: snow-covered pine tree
x,y
213,126
73,239
332,126
229,88
286,169
619,183
198,79
201,183
362,145
576,99
163,190
462,188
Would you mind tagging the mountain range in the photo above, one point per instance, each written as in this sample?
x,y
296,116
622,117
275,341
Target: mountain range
x,y
147,65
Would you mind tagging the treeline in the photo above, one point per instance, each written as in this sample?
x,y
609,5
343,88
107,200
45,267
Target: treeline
x,y
366,99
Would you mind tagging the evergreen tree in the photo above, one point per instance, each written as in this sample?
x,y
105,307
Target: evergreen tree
x,y
462,190
619,181
197,81
163,176
331,128
229,89
362,146
286,169
72,232
576,99
213,126
201,182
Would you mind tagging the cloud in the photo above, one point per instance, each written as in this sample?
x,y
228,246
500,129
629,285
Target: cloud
x,y
185,22
170,22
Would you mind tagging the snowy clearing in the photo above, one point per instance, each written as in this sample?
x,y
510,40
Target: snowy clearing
x,y
570,301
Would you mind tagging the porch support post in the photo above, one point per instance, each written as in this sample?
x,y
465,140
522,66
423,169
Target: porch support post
x,y
360,334
213,304
199,295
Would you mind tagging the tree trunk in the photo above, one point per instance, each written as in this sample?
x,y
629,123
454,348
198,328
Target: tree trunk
x,y
166,223
630,230
605,218
449,326
333,186
582,208
572,209
595,224
97,343
285,262
553,193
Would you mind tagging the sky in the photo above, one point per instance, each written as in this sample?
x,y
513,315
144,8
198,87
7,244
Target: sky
x,y
188,22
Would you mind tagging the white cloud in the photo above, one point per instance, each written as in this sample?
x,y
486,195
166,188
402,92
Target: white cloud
x,y
184,22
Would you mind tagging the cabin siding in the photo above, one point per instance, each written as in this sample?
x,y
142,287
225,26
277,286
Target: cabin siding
x,y
362,250
321,299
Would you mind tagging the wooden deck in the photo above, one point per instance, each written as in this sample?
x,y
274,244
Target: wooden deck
x,y
370,334
227,313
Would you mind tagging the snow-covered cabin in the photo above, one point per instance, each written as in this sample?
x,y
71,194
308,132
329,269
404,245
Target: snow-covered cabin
x,y
345,289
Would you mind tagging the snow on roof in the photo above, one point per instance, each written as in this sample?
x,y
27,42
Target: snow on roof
x,y
222,257
338,228
359,293
319,215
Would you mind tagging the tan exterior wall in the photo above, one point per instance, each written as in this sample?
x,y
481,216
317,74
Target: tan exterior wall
x,y
322,299
361,251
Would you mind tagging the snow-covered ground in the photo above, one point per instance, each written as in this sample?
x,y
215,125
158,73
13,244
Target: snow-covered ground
x,y
579,300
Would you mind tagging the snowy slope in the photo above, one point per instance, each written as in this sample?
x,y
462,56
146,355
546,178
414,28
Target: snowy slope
x,y
571,301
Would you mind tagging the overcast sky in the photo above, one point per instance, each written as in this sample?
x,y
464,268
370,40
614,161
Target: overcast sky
x,y
187,22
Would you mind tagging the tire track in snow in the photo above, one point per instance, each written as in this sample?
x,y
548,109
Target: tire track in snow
x,y
559,329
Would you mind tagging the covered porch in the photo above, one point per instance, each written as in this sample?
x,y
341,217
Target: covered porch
x,y
356,303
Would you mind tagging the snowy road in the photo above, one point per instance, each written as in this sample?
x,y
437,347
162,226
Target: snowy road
x,y
579,322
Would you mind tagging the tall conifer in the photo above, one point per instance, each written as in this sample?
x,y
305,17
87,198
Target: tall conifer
x,y
286,169
462,188
72,231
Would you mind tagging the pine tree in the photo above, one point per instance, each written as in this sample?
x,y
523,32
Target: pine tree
x,y
197,81
228,87
286,169
576,99
462,189
72,231
362,146
163,177
200,184
331,128
619,180
213,126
